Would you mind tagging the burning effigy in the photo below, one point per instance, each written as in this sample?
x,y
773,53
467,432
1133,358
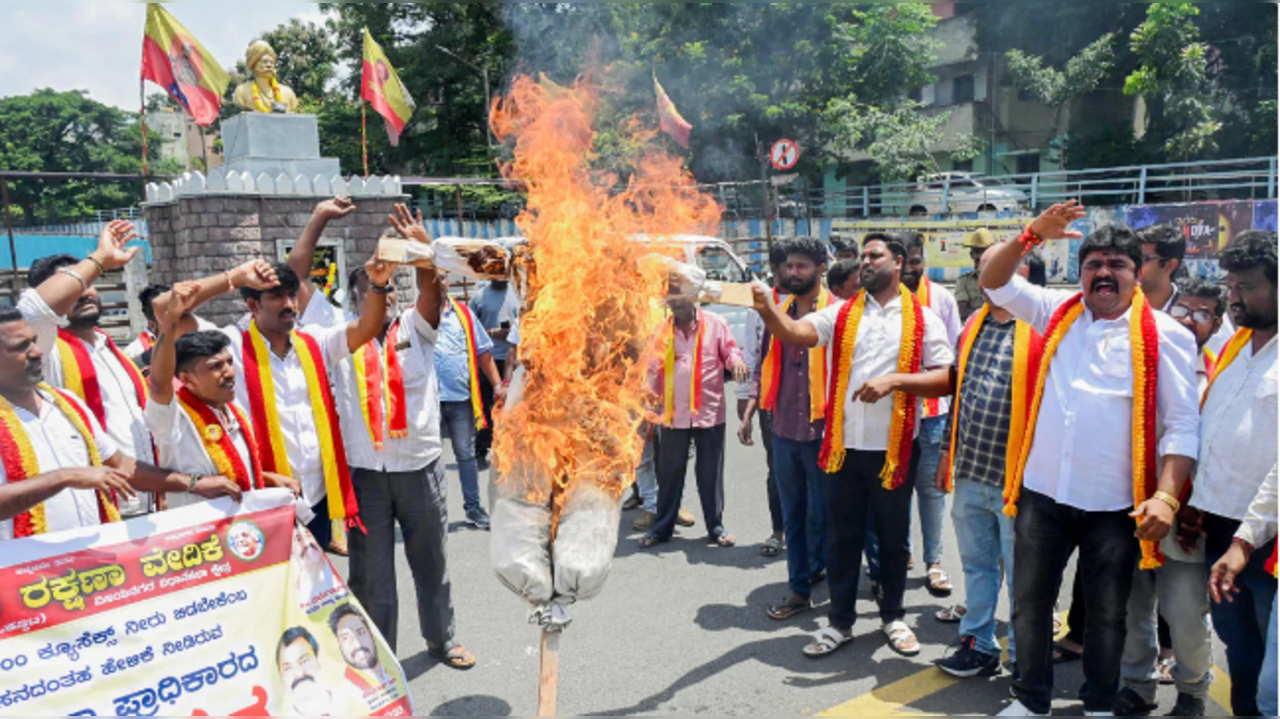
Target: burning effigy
x,y
567,444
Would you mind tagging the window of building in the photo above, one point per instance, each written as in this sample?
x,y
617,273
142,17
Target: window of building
x,y
1028,164
962,89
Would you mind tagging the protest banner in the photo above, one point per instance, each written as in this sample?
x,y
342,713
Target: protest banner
x,y
217,609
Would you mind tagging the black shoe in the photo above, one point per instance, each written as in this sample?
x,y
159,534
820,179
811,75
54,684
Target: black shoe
x,y
1129,704
1011,668
482,463
968,662
1187,706
478,518
817,579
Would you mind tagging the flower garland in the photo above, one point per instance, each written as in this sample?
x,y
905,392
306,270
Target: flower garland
x,y
381,389
1145,348
901,434
257,96
219,445
669,373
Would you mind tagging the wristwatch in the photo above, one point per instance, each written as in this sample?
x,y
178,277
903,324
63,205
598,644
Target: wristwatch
x,y
195,479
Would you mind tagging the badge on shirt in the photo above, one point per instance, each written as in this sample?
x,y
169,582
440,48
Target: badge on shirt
x,y
213,433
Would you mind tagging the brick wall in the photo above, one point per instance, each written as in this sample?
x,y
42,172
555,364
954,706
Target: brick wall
x,y
194,237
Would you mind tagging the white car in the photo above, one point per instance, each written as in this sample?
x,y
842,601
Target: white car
x,y
955,192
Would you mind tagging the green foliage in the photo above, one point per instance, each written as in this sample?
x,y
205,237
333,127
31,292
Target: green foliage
x,y
1060,88
50,131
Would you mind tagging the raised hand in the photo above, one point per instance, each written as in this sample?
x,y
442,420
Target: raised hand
x,y
409,227
174,304
380,272
111,251
335,209
256,274
1053,224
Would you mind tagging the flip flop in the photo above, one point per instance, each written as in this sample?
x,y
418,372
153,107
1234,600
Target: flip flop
x,y
456,658
724,541
784,611
772,547
901,639
826,642
649,541
939,583
952,615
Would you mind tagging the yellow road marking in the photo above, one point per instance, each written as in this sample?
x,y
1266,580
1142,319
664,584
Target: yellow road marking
x,y
893,698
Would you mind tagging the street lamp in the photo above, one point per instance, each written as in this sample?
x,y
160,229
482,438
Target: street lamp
x,y
488,99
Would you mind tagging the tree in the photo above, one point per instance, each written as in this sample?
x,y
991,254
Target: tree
x,y
50,131
1174,75
1059,89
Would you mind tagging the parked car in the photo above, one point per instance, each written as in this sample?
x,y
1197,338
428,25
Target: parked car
x,y
954,192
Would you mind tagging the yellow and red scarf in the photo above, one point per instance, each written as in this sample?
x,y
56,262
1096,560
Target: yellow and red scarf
x,y
20,462
256,356
1144,341
473,360
1027,347
380,382
81,377
669,372
146,340
1238,342
219,445
1210,361
771,369
902,434
924,293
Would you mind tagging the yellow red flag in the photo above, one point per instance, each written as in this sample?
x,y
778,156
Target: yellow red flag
x,y
670,119
383,89
173,59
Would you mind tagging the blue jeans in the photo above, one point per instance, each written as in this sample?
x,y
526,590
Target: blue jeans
x,y
647,475
932,502
1267,681
984,536
459,419
1242,625
804,512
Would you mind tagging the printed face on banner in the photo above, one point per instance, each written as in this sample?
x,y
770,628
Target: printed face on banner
x,y
244,616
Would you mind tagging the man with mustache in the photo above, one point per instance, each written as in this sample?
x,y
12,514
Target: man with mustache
x,y
367,684
1110,363
60,469
791,383
199,428
81,358
298,659
282,375
1238,450
887,351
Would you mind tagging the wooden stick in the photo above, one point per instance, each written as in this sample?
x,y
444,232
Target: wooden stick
x,y
549,674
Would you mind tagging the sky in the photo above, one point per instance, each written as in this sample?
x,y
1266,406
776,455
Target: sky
x,y
97,46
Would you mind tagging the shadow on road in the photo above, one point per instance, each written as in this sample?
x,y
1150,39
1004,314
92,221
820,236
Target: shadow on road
x,y
473,706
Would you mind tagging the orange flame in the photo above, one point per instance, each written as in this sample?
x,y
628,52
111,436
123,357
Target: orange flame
x,y
592,307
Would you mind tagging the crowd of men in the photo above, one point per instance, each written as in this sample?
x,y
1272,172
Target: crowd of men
x,y
1128,423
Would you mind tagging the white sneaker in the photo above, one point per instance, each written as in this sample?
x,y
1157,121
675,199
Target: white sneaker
x,y
1018,709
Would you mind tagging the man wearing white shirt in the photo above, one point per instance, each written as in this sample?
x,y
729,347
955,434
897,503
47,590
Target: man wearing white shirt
x,y
63,434
80,357
199,428
1237,450
139,350
396,469
1077,485
866,420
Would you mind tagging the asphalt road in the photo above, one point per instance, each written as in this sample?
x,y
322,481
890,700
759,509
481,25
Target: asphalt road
x,y
683,630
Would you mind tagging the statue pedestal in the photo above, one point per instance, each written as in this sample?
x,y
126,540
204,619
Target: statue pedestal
x,y
259,143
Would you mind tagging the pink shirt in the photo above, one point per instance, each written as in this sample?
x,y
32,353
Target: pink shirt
x,y
719,353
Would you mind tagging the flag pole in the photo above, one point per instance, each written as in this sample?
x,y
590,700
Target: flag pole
x,y
364,137
142,113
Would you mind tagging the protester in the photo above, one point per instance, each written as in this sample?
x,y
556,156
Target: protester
x,y
968,294
84,360
1257,530
497,308
74,470
777,542
140,349
844,279
1164,250
1078,480
884,345
204,432
931,501
1201,307
790,382
844,249
1237,450
995,376
645,491
464,354
699,351
282,375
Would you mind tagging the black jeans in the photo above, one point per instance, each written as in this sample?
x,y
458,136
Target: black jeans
x,y
1242,625
849,493
484,438
1047,533
320,526
771,483
416,500
673,465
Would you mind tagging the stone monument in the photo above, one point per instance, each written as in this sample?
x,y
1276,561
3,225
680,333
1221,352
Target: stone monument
x,y
265,93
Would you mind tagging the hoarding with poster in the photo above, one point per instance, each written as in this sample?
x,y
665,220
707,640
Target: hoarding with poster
x,y
217,609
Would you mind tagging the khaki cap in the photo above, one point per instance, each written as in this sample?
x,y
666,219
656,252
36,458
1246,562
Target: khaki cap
x,y
980,239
